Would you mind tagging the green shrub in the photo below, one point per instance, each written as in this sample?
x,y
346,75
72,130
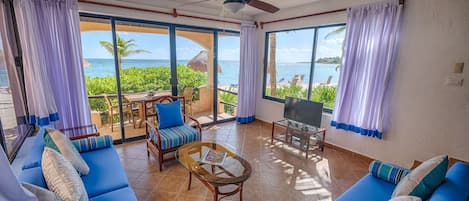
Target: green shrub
x,y
324,94
134,80
229,98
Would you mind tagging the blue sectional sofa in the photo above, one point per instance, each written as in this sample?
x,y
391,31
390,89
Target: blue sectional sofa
x,y
106,180
370,188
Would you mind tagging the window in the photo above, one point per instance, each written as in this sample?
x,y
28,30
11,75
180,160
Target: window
x,y
14,127
303,63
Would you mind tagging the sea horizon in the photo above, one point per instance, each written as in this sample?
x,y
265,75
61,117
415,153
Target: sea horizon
x,y
228,76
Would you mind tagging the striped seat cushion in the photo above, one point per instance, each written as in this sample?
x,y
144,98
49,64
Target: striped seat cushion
x,y
175,136
93,143
388,172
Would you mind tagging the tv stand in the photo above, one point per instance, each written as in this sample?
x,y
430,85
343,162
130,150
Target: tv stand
x,y
303,137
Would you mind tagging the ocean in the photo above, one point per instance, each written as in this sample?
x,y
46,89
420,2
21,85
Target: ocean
x,y
229,74
3,76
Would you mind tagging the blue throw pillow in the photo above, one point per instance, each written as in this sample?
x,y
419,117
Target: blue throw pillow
x,y
169,114
388,172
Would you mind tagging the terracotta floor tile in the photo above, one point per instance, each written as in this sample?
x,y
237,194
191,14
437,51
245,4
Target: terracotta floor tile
x,y
279,171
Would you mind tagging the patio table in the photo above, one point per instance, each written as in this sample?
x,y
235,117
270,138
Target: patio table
x,y
141,100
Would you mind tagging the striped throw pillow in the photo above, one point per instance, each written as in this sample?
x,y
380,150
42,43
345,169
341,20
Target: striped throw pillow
x,y
93,143
388,172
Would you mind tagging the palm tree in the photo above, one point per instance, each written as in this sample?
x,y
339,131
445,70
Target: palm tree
x,y
124,48
335,31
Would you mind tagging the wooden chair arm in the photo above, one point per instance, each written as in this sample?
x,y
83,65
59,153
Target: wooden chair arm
x,y
197,123
151,125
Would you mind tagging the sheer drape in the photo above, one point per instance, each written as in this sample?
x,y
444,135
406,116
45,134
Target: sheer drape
x,y
50,39
9,53
247,74
369,54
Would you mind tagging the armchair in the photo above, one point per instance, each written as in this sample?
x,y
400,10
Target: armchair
x,y
161,141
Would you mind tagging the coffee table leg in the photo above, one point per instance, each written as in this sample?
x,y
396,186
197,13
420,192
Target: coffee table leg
x,y
190,181
215,194
241,192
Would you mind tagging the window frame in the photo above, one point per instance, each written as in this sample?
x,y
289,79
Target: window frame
x,y
313,59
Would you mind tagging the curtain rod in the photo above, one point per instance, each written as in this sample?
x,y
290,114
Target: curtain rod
x,y
174,13
401,2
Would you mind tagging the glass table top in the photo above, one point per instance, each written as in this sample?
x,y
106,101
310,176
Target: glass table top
x,y
233,170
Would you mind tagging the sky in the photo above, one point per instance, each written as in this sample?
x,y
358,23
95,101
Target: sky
x,y
292,46
158,45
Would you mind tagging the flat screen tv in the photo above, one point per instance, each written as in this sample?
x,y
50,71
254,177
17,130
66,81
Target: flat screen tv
x,y
303,111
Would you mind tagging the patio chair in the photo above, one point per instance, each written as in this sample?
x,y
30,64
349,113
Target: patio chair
x,y
113,110
172,130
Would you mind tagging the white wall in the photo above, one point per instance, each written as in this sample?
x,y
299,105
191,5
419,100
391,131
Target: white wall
x,y
428,118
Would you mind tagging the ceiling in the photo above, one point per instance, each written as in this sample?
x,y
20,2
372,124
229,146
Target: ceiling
x,y
209,7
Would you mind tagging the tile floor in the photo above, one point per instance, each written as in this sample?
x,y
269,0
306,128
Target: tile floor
x,y
279,173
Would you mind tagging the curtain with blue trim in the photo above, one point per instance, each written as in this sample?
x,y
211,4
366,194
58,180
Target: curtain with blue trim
x,y
246,107
55,83
370,49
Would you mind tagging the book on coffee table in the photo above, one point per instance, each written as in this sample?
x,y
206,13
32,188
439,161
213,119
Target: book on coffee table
x,y
214,157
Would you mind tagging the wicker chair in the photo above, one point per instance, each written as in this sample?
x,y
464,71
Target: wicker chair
x,y
167,140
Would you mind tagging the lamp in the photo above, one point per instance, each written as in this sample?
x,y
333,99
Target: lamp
x,y
233,6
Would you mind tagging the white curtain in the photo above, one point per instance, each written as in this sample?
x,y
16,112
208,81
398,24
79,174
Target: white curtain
x,y
370,51
247,74
51,43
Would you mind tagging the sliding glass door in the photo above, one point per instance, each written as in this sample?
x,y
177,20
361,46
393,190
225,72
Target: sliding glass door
x,y
227,79
144,69
126,60
195,72
100,75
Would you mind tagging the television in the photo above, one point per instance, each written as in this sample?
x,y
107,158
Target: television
x,y
303,111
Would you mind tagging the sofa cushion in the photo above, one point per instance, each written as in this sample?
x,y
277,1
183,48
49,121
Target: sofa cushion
x,y
456,185
61,176
106,172
405,198
175,136
368,188
169,114
33,159
424,179
33,176
67,150
92,143
123,194
388,172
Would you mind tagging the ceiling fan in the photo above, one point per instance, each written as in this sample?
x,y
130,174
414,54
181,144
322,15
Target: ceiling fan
x,y
236,5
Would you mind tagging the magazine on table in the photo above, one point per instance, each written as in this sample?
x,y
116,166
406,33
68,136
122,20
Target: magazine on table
x,y
214,157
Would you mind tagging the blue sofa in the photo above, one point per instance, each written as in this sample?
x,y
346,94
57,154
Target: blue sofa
x,y
106,180
370,188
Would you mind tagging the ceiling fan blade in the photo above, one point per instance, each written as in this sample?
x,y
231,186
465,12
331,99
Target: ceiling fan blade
x,y
263,6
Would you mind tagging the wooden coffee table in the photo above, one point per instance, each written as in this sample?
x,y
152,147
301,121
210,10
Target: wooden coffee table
x,y
234,171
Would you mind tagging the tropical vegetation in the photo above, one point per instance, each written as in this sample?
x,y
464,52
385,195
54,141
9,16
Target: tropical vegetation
x,y
134,80
124,48
322,93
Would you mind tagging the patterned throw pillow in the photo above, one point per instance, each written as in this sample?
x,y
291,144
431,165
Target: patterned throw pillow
x,y
388,172
68,150
424,179
92,143
61,177
41,193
